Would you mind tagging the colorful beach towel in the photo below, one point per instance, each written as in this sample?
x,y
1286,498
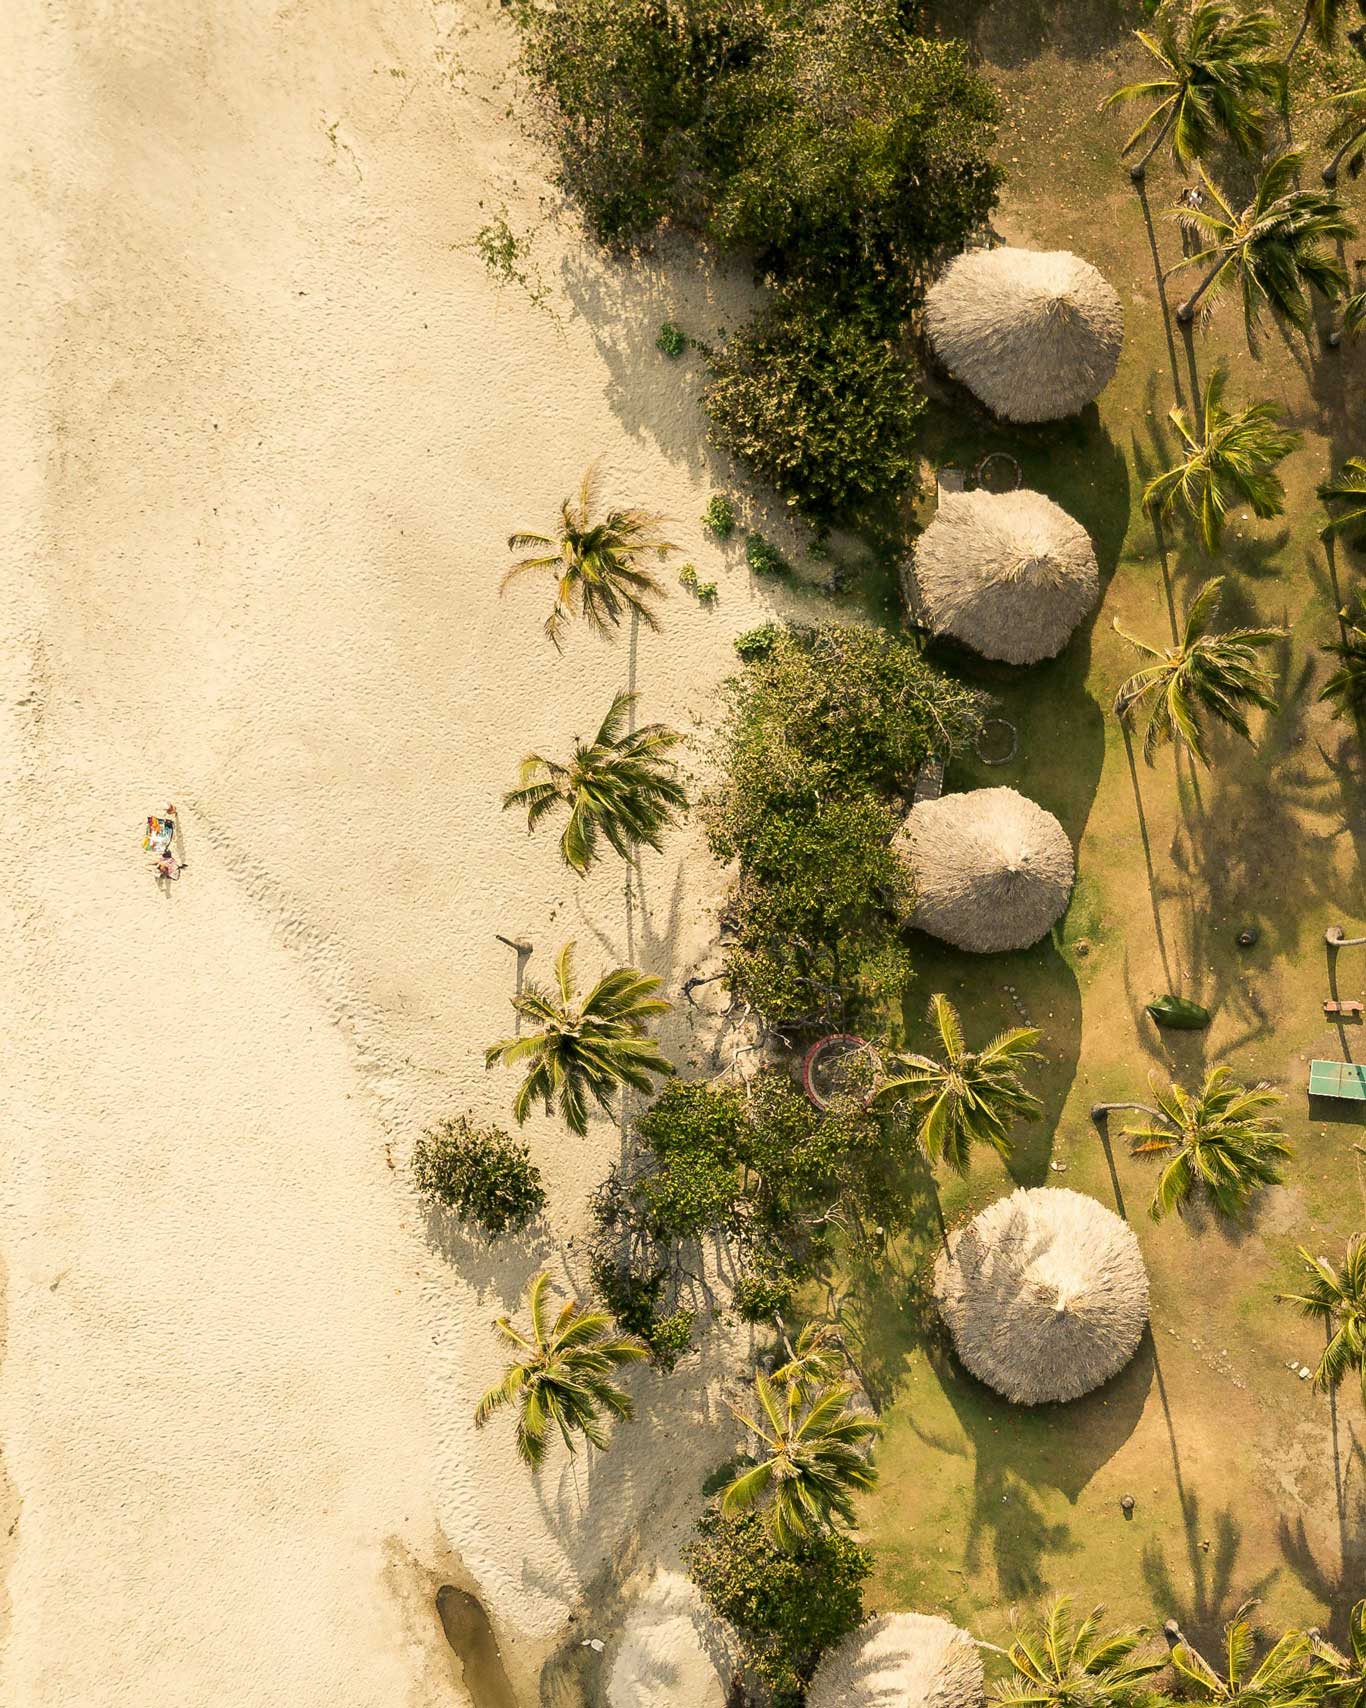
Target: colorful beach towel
x,y
160,834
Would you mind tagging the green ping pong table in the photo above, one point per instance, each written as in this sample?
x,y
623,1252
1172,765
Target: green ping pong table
x,y
1338,1079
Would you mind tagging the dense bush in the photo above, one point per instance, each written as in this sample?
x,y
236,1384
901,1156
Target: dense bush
x,y
824,731
787,1608
486,1177
819,403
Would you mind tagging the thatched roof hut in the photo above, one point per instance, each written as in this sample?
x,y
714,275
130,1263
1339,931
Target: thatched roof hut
x,y
902,1660
992,870
1036,336
668,1654
1009,574
1045,1295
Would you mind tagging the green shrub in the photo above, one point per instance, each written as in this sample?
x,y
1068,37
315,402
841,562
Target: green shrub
x,y
703,591
763,557
819,404
486,1177
788,1608
672,340
719,516
758,643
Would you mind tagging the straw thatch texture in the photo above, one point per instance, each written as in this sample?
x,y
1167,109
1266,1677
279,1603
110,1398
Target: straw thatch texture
x,y
1009,574
902,1660
1045,1295
668,1654
1035,336
992,870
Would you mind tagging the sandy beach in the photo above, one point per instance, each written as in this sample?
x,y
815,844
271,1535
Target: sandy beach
x,y
271,421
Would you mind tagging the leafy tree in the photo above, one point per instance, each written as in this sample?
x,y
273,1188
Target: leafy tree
x,y
820,404
1216,1143
1283,1678
964,1097
621,785
1059,1661
1336,1297
595,562
1346,687
562,1378
1204,675
1348,135
1228,457
1348,487
1270,250
1345,1686
480,1173
1215,78
810,1462
787,1605
591,1050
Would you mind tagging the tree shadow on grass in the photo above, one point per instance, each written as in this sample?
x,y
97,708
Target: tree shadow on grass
x,y
1010,33
1204,1592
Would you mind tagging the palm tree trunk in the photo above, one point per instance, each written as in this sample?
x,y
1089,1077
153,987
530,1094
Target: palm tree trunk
x,y
1299,37
1334,166
1101,1111
1137,170
1186,312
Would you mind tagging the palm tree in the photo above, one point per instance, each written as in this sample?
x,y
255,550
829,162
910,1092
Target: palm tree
x,y
811,1463
815,1362
968,1097
1216,1142
618,785
587,1051
1347,487
1228,457
1353,316
1336,1297
562,1375
1061,1662
1284,1678
1270,249
1215,675
1348,135
1346,687
1218,77
1346,1682
595,562
1323,17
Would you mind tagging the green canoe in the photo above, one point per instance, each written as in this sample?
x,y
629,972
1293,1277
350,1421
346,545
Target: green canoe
x,y
1180,1012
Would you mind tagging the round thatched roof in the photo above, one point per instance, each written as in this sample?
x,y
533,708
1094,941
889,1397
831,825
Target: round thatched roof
x,y
1035,336
1045,1295
902,1660
667,1653
993,871
1009,574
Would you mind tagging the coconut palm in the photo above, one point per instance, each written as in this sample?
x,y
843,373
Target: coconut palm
x,y
1348,487
1345,1681
1217,1143
969,1096
1348,135
1270,249
1204,675
1321,16
561,1376
1285,1677
809,1462
1228,457
1346,687
815,1362
1062,1662
595,561
1353,316
1336,1297
583,1051
620,786
1215,78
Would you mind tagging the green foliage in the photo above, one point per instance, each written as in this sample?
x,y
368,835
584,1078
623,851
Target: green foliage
x,y
764,558
1218,1143
788,1608
825,728
1346,687
719,516
760,642
703,591
481,1173
1335,1298
818,403
1348,489
1059,1661
672,340
507,260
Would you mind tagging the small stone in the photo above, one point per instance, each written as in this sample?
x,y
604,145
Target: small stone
x,y
1248,936
1127,1504
1305,1372
1083,946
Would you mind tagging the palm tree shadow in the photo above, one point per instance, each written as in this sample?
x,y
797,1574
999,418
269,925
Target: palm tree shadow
x,y
1213,1589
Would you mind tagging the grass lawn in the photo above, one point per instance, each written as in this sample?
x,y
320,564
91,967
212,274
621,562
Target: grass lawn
x,y
1246,1483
